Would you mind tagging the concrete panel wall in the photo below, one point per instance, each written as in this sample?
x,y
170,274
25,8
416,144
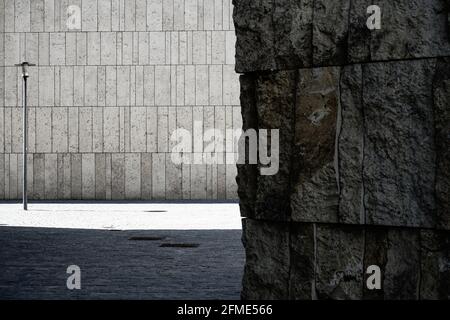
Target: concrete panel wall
x,y
105,98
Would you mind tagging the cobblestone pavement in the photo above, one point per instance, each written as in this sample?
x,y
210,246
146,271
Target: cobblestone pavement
x,y
34,260
33,263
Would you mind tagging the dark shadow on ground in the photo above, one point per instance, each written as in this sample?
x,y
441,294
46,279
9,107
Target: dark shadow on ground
x,y
33,263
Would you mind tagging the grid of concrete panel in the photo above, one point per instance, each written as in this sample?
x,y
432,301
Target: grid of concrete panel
x,y
105,99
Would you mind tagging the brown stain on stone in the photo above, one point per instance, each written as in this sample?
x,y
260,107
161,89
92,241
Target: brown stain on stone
x,y
316,119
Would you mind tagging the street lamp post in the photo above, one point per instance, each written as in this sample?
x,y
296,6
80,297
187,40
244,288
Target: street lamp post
x,y
25,76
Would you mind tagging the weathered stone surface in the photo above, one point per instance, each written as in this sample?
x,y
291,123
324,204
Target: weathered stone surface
x,y
266,273
255,34
448,17
414,263
292,28
275,101
287,34
339,262
358,144
442,136
375,254
330,32
302,259
365,148
247,172
399,154
350,146
397,253
435,265
403,264
315,192
409,29
386,149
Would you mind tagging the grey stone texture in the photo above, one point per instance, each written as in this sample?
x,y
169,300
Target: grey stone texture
x,y
329,261
295,34
364,146
116,87
364,150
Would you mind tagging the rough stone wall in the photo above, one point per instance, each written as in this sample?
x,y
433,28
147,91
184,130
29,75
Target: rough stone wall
x,y
104,99
364,120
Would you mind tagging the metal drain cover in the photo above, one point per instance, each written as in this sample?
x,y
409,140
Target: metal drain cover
x,y
179,245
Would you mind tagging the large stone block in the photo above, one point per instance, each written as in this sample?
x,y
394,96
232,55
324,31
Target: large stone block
x,y
360,144
364,150
304,261
286,34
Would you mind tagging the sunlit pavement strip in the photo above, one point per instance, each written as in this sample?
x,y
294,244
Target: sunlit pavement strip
x,y
134,216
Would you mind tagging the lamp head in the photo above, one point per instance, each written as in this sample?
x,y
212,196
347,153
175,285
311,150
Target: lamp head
x,y
24,66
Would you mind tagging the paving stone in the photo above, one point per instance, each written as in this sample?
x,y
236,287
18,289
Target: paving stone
x,y
113,267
